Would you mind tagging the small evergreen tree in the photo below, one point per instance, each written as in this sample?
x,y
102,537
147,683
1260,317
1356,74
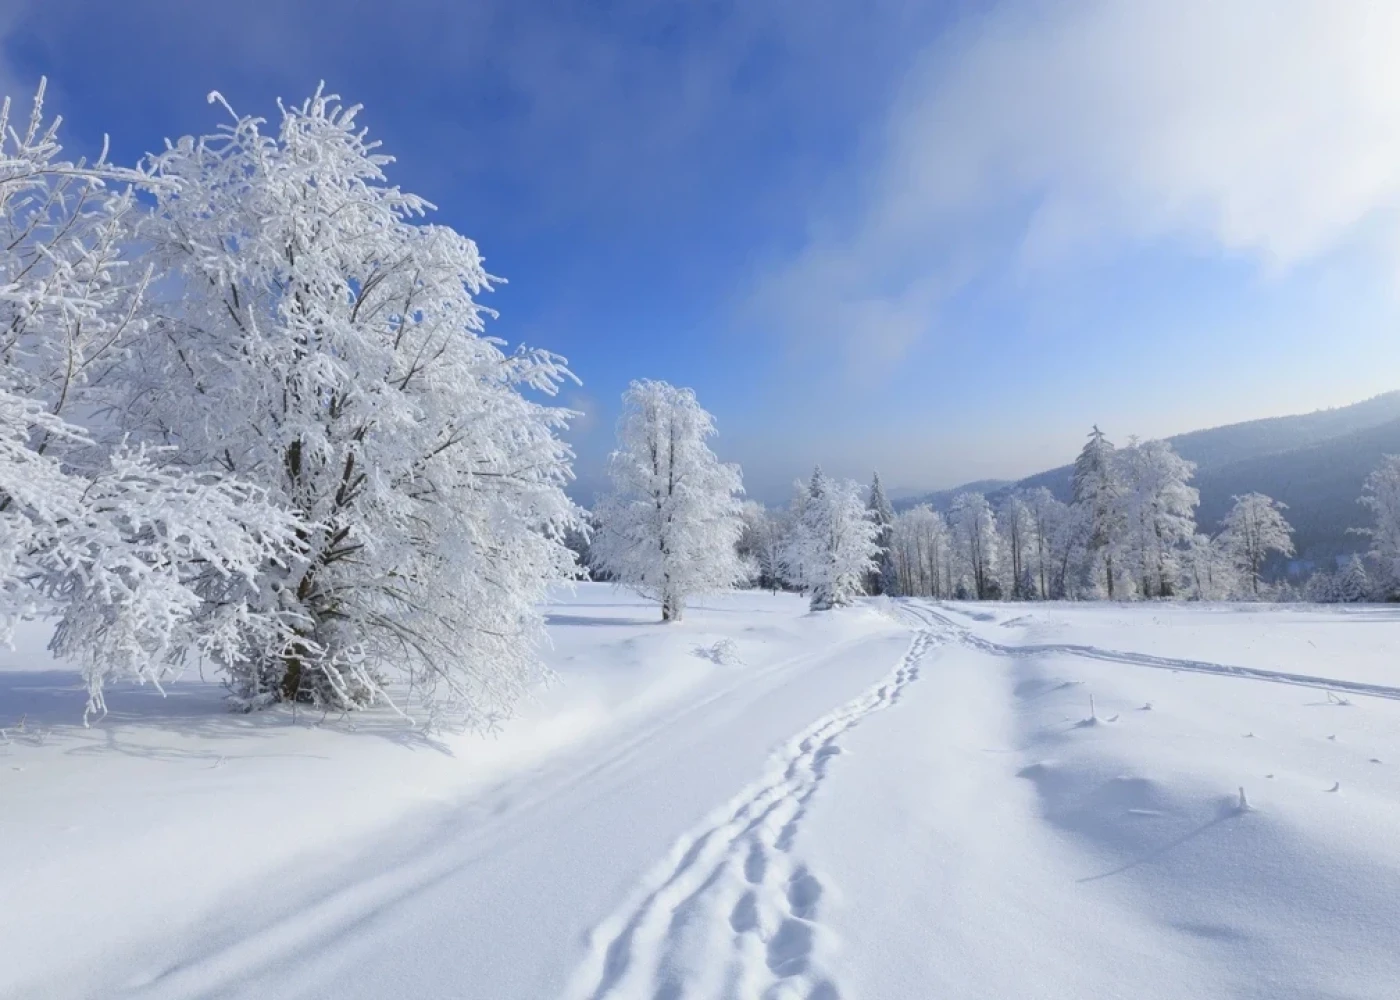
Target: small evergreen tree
x,y
1352,585
885,578
1321,588
833,544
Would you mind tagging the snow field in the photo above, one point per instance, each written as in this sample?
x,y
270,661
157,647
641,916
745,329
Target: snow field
x,y
1052,855
900,800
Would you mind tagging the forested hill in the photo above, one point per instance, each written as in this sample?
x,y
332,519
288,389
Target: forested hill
x,y
1314,462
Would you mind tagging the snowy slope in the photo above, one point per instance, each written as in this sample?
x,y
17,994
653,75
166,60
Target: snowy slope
x,y
897,801
176,850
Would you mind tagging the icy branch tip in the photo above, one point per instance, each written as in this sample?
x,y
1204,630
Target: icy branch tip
x,y
217,98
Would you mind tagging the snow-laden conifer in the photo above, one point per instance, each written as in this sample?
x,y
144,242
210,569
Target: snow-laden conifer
x,y
321,342
834,540
670,526
1352,584
885,579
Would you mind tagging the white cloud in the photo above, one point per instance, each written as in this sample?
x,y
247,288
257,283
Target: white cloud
x,y
1263,128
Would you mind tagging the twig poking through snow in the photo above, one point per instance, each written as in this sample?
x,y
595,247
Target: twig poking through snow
x,y
725,653
1336,787
1336,699
1243,805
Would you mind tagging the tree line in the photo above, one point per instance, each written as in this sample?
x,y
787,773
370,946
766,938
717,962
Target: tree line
x,y
1129,532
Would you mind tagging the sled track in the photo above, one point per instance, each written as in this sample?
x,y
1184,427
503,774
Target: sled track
x,y
733,883
965,636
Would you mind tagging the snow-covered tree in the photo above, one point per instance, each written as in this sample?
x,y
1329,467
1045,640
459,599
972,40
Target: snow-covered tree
x,y
885,579
141,565
1352,585
671,525
921,552
1382,495
1159,512
321,342
1098,502
761,545
1016,525
1255,528
834,541
1052,542
1321,588
1208,570
974,531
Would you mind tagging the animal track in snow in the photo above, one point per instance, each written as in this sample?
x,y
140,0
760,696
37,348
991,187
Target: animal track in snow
x,y
731,887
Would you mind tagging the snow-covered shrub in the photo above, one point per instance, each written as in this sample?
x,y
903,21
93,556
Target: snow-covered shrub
x,y
725,652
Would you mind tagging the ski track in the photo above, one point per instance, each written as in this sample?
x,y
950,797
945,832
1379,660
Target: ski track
x,y
735,879
734,885
965,636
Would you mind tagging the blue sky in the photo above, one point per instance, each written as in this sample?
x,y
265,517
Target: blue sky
x,y
937,239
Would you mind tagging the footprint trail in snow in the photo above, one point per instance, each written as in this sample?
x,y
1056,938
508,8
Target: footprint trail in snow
x,y
732,911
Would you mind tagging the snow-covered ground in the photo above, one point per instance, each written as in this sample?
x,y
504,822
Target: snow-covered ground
x,y
902,800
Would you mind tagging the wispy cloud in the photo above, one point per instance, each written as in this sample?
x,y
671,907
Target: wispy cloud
x,y
1044,131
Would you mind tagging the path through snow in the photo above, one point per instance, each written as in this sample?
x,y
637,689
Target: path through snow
x,y
733,911
963,836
